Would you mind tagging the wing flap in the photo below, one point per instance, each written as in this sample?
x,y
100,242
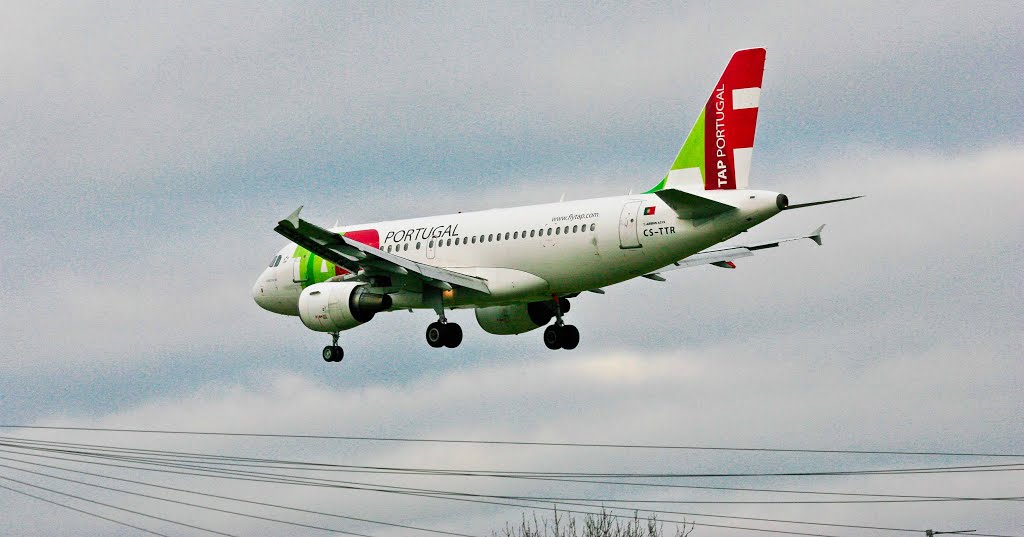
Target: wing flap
x,y
353,255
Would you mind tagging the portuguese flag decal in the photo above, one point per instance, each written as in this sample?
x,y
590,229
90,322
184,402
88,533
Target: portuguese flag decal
x,y
648,211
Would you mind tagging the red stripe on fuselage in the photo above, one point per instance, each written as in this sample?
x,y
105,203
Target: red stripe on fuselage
x,y
369,237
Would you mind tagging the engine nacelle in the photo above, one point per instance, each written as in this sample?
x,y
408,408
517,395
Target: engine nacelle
x,y
514,319
336,306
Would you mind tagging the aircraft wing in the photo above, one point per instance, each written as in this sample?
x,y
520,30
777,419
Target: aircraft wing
x,y
723,257
355,256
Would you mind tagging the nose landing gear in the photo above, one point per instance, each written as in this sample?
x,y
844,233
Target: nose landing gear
x,y
332,352
561,335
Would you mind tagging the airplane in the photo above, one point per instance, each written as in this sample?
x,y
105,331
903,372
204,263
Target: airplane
x,y
518,267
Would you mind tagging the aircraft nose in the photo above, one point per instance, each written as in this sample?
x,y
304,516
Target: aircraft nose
x,y
258,295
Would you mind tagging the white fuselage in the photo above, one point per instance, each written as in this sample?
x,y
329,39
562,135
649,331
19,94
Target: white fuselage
x,y
533,252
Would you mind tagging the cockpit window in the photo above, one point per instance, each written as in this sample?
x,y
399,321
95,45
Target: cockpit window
x,y
275,261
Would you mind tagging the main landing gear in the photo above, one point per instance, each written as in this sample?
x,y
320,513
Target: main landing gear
x,y
332,352
561,335
443,333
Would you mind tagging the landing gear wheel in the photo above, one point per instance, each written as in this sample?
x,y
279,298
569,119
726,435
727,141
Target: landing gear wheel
x,y
552,337
333,353
452,335
436,335
569,336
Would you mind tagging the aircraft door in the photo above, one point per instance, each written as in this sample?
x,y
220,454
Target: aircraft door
x,y
628,237
297,276
430,249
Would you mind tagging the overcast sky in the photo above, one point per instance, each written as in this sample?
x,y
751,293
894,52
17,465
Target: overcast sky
x,y
147,152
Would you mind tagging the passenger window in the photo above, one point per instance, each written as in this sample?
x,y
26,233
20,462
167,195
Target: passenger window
x,y
557,229
406,247
449,243
499,236
473,240
456,241
574,228
417,246
506,235
490,238
549,231
566,230
431,245
515,235
593,226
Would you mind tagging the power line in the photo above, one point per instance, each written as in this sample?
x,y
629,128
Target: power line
x,y
784,532
332,467
508,473
357,485
516,443
83,511
118,508
413,527
241,500
142,495
426,493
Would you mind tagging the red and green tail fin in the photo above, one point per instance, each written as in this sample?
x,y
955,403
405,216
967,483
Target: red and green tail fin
x,y
717,153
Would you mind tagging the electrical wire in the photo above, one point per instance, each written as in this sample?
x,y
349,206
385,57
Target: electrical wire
x,y
187,504
514,443
118,508
784,532
84,512
505,473
411,527
333,467
230,498
428,494
358,485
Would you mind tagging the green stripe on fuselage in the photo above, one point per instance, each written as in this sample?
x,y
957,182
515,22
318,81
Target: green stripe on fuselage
x,y
310,265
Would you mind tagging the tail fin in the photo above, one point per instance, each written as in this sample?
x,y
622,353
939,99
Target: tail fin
x,y
716,155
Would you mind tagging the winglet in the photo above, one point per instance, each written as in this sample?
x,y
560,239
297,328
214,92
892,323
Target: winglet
x,y
816,234
293,218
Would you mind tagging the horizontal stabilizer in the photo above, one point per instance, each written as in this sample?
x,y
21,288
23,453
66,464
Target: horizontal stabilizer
x,y
690,206
816,235
724,257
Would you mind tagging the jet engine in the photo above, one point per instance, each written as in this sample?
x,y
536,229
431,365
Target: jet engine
x,y
516,318
336,306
